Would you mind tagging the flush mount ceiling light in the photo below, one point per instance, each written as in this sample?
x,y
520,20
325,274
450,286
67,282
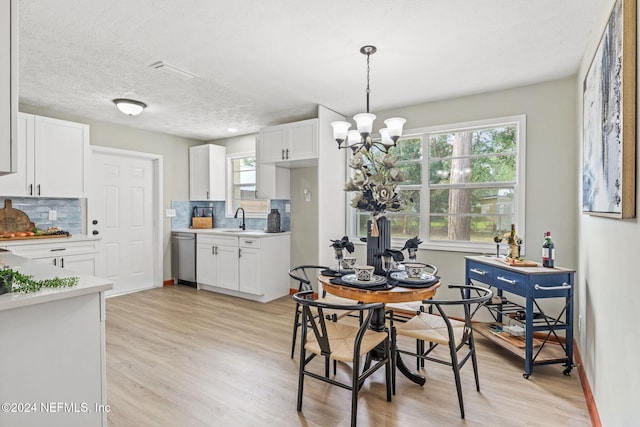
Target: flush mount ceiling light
x,y
361,138
129,106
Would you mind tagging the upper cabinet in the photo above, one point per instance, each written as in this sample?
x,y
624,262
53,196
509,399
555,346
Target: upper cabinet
x,y
207,172
52,159
289,145
8,85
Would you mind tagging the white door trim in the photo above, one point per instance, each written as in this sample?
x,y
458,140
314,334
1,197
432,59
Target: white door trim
x,y
157,203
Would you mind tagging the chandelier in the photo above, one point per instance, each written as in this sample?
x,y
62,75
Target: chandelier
x,y
361,138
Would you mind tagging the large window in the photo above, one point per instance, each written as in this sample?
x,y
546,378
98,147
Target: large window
x,y
241,186
464,184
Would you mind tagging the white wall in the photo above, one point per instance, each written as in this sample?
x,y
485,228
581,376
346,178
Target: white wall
x,y
551,162
174,150
607,294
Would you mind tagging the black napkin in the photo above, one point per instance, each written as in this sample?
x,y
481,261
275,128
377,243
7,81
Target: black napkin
x,y
414,283
331,273
380,287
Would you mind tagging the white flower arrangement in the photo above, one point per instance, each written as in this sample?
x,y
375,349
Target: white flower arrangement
x,y
374,182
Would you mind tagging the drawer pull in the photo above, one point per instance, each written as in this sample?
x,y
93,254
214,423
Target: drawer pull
x,y
479,272
504,279
249,242
59,249
564,286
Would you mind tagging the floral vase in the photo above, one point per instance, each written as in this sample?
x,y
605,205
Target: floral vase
x,y
273,221
376,245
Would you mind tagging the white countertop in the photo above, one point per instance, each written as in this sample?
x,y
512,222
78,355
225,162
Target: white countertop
x,y
31,241
86,285
230,232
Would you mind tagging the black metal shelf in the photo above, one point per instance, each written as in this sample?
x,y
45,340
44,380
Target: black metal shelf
x,y
540,319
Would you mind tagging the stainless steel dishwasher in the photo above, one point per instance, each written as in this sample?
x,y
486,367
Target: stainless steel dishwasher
x,y
183,258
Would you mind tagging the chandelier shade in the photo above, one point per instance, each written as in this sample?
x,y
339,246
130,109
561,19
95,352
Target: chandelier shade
x,y
364,123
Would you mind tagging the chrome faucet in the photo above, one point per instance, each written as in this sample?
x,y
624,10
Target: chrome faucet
x,y
243,226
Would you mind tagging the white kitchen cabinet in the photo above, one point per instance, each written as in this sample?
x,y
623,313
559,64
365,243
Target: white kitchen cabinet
x,y
207,172
273,182
52,159
249,275
217,261
8,85
244,266
289,145
77,256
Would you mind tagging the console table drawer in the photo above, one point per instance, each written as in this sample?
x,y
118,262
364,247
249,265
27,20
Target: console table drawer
x,y
480,272
551,286
510,282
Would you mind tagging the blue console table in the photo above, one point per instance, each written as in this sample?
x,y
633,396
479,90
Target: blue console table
x,y
531,283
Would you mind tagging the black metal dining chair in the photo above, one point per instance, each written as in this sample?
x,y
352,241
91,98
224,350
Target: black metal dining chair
x,y
410,309
441,329
339,341
304,275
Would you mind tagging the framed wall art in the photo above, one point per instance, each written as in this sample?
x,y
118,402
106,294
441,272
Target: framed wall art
x,y
609,125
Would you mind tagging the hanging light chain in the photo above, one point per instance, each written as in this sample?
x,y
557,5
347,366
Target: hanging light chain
x,y
368,69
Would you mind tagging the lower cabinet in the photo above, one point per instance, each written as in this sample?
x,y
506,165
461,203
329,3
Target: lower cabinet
x,y
255,268
77,256
217,261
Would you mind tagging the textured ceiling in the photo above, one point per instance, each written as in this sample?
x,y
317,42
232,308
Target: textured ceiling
x,y
261,63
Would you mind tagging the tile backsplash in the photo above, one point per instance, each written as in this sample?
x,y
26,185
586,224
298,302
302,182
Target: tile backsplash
x,y
68,212
184,211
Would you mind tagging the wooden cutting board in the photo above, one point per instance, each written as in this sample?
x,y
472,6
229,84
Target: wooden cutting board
x,y
520,262
12,220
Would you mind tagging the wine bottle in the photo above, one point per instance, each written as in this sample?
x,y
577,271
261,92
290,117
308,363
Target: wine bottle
x,y
548,251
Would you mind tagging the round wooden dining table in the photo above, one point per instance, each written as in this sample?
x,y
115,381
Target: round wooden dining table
x,y
378,321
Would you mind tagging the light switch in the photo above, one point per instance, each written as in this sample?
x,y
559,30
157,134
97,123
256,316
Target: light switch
x,y
170,213
53,215
287,207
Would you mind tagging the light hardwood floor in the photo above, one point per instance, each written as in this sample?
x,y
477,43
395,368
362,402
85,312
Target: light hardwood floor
x,y
181,357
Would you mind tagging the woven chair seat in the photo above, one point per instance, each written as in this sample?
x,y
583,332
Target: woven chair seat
x,y
337,314
431,328
342,340
412,307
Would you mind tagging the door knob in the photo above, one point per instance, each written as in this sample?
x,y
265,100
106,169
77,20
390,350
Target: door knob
x,y
95,232
94,222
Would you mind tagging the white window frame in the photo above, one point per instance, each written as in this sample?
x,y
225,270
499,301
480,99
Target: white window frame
x,y
229,211
519,188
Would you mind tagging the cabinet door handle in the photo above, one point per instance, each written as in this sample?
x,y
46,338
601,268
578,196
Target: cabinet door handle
x,y
504,279
282,154
62,262
55,262
564,286
239,252
207,195
38,189
479,272
31,189
287,152
213,250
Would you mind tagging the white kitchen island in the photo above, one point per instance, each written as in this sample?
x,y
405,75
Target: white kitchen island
x,y
52,351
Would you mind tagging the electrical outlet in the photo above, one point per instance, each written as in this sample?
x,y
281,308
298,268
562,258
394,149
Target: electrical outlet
x,y
170,213
579,323
287,207
53,215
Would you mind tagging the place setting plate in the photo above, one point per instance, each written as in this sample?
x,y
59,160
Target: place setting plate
x,y
403,277
376,280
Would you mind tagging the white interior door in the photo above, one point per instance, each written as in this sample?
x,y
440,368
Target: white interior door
x,y
121,210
